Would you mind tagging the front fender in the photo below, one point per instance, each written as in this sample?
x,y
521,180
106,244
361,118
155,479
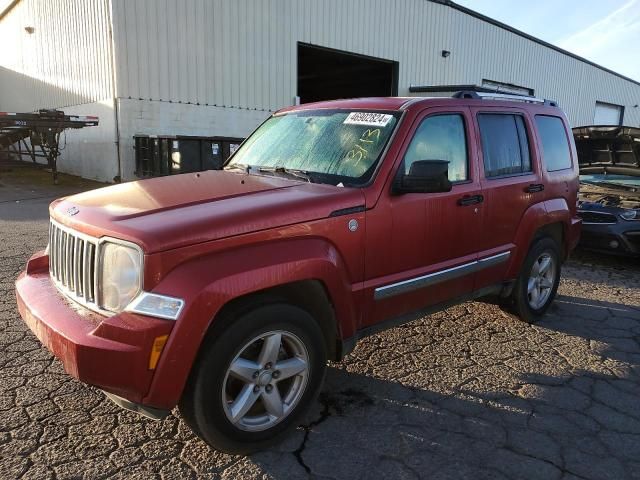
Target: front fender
x,y
208,283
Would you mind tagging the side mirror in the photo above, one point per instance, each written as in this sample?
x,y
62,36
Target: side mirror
x,y
425,176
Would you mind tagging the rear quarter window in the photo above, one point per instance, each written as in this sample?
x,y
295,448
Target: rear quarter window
x,y
555,144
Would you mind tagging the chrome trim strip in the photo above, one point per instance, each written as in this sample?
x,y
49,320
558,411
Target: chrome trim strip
x,y
439,276
493,260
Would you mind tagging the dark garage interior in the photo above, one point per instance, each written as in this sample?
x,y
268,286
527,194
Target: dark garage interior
x,y
327,74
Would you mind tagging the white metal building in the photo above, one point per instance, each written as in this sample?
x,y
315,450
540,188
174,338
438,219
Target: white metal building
x,y
214,68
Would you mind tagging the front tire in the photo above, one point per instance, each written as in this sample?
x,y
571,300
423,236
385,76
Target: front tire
x,y
537,284
251,383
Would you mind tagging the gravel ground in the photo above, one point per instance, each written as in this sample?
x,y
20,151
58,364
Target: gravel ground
x,y
467,393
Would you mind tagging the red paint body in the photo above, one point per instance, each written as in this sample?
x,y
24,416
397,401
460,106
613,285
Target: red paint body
x,y
215,236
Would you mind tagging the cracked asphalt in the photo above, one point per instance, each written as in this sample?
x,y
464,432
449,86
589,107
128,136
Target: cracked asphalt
x,y
469,393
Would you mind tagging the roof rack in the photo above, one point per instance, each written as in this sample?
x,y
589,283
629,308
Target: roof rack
x,y
503,96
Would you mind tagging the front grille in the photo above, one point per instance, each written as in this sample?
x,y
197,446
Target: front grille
x,y
589,216
72,263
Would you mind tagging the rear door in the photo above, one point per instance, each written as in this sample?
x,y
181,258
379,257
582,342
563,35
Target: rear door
x,y
511,183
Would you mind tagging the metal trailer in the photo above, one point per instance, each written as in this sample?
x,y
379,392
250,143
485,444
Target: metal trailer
x,y
42,129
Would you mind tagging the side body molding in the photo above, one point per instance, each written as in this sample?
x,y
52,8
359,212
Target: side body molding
x,y
434,278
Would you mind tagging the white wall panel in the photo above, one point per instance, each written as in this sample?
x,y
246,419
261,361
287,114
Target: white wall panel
x,y
65,61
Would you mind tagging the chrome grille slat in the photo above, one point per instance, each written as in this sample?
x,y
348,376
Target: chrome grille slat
x,y
57,260
52,249
72,264
94,270
76,266
86,280
63,258
67,257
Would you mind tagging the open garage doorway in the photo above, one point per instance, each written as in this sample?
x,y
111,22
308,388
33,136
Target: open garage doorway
x,y
327,74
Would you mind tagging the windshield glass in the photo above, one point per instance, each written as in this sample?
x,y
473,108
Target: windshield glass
x,y
330,146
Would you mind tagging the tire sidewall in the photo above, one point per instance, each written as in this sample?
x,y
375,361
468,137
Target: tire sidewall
x,y
208,409
525,311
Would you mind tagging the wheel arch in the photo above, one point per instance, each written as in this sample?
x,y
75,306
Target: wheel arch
x,y
309,273
550,218
310,295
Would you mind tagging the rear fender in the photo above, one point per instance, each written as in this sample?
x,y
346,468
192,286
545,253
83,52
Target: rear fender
x,y
208,283
535,218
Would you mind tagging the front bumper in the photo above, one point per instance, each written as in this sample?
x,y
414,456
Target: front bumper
x,y
111,353
619,239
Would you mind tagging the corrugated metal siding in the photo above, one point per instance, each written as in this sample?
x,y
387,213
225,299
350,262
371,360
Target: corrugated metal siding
x,y
64,62
242,53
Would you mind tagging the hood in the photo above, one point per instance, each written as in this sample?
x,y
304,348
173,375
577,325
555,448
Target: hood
x,y
608,149
170,212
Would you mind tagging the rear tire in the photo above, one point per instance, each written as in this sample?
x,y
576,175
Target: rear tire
x,y
253,381
537,284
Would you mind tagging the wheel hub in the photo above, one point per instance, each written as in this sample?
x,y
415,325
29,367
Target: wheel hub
x,y
265,378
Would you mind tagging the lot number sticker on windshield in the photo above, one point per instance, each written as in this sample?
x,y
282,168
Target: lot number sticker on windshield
x,y
369,119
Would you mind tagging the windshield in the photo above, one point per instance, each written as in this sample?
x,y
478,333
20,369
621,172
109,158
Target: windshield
x,y
329,146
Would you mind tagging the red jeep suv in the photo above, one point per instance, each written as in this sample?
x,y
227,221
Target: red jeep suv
x,y
226,292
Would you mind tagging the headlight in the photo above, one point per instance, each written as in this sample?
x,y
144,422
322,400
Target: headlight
x,y
120,275
631,215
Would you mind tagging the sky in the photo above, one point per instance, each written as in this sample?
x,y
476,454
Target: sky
x,y
606,32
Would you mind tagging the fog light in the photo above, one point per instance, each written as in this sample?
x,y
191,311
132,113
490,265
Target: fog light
x,y
156,350
156,305
614,244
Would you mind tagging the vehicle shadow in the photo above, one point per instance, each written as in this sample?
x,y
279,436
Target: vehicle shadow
x,y
612,329
586,425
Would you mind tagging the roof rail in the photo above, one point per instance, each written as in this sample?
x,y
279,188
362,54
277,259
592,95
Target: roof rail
x,y
503,96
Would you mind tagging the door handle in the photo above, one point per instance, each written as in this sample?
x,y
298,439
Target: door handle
x,y
470,200
534,188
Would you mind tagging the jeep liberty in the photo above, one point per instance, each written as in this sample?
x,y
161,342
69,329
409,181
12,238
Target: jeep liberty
x,y
226,292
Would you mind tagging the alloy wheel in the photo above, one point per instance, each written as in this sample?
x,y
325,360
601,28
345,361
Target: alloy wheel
x,y
265,380
541,280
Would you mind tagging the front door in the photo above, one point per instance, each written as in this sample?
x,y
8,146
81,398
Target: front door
x,y
421,247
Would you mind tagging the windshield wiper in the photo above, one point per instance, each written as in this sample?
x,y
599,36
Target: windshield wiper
x,y
287,171
238,166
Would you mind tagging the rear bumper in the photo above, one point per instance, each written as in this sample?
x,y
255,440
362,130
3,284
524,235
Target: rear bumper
x,y
111,353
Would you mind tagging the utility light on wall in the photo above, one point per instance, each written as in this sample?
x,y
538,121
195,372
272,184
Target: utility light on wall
x,y
29,30
445,53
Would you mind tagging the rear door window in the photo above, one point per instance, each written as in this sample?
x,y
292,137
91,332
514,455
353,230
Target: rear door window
x,y
555,145
505,146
